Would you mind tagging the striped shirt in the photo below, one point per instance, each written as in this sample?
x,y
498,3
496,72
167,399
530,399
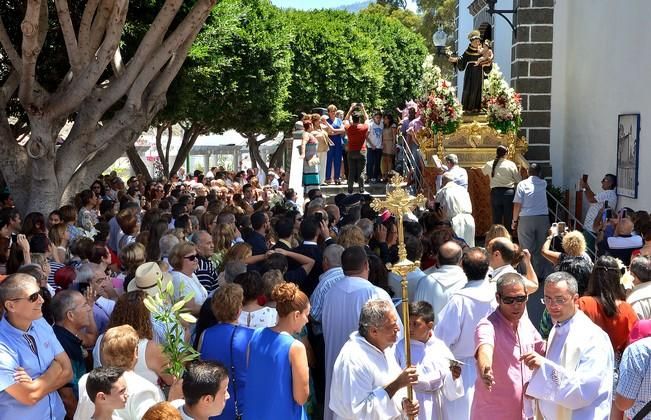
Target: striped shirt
x,y
326,281
54,267
206,274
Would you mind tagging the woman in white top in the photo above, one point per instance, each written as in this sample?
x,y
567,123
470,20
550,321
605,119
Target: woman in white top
x,y
151,361
504,176
253,314
183,259
120,349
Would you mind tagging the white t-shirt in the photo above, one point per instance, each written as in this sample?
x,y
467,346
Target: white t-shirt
x,y
375,134
593,211
189,284
142,395
179,404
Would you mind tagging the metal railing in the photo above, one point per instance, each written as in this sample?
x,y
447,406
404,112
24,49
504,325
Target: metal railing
x,y
563,214
409,164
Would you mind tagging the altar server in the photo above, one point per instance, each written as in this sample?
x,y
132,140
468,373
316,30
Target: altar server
x,y
439,374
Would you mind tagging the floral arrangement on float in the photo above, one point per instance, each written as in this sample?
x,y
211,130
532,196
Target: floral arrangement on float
x,y
503,105
442,113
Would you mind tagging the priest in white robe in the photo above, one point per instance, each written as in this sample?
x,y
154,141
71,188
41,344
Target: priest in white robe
x,y
367,382
458,320
575,379
455,201
342,307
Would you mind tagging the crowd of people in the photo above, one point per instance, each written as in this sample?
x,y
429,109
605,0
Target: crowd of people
x,y
359,148
296,309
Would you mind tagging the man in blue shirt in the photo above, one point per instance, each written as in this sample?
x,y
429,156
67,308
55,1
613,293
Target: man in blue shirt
x,y
28,343
335,152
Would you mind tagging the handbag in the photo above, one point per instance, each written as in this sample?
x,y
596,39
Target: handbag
x,y
238,415
643,412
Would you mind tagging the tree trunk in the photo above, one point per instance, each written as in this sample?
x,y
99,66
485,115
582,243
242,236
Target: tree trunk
x,y
107,116
254,150
164,155
277,157
190,136
44,186
139,167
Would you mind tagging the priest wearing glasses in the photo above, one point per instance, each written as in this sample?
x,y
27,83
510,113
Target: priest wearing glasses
x,y
575,378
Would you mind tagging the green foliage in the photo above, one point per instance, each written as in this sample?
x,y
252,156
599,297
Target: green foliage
x,y
402,52
169,312
436,13
408,18
238,71
334,62
393,4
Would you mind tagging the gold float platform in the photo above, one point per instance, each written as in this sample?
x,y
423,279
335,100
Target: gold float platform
x,y
474,143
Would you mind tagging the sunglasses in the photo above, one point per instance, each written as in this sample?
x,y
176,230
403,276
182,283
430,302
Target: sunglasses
x,y
191,257
32,298
510,300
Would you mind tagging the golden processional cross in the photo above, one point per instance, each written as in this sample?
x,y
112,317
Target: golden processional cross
x,y
398,202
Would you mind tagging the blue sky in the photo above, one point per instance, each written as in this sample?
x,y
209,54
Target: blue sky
x,y
321,4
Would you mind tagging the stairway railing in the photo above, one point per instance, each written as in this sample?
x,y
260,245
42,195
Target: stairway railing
x,y
410,164
562,213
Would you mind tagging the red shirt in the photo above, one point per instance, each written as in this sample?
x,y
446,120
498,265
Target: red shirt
x,y
356,137
618,327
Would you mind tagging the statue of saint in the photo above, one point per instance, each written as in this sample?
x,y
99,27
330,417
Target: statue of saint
x,y
476,61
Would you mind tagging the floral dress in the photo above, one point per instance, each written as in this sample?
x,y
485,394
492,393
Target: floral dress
x,y
264,317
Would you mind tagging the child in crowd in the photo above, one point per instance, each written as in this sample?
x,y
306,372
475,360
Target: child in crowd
x,y
486,52
205,391
439,375
107,389
389,133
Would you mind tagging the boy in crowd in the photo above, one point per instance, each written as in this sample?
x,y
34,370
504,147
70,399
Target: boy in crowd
x,y
107,389
204,390
438,373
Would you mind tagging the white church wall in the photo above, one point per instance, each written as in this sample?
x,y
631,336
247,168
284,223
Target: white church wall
x,y
600,70
502,38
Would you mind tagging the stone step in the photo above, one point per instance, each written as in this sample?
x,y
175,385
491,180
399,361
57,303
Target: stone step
x,y
330,191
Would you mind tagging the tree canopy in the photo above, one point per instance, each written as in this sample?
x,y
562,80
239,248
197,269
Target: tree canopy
x,y
254,68
236,77
63,61
81,80
341,58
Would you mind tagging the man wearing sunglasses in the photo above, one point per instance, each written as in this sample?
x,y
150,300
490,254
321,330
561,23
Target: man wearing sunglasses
x,y
501,339
33,365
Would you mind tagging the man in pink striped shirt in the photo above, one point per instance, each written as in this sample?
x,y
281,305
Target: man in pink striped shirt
x,y
501,339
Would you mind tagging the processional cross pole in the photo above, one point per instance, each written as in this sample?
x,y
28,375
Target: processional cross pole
x,y
398,202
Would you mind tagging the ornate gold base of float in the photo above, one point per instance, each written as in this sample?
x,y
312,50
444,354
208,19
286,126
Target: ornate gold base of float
x,y
474,143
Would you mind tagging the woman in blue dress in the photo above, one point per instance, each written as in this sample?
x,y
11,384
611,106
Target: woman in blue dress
x,y
278,375
227,342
